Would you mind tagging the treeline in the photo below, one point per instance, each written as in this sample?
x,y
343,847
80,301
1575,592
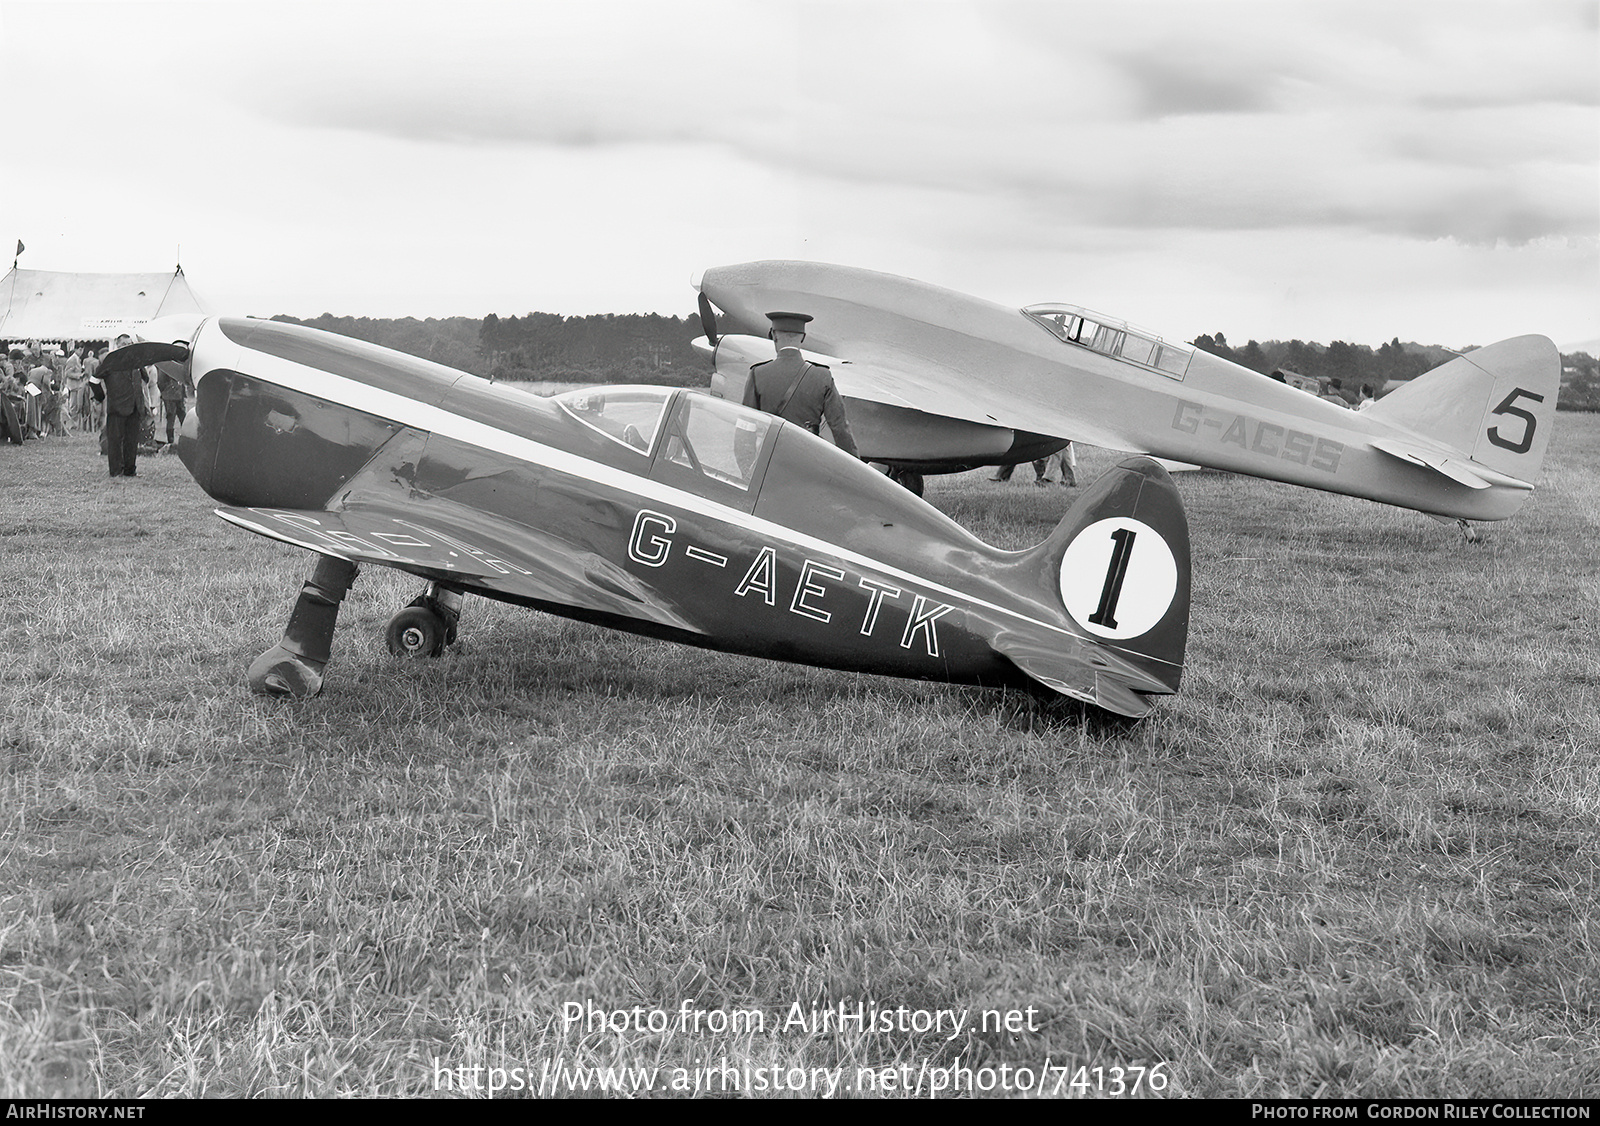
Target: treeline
x,y
1351,365
603,348
650,348
1580,382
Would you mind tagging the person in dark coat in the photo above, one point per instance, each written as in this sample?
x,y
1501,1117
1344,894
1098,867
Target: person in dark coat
x,y
120,385
795,389
174,392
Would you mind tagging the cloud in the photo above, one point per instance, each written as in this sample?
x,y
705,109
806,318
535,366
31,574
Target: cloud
x,y
1168,87
1415,120
543,74
902,135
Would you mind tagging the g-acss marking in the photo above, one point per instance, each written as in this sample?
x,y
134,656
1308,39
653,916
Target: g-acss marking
x,y
1259,437
653,537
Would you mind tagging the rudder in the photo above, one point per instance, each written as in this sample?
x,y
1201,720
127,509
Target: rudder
x,y
1118,564
1495,404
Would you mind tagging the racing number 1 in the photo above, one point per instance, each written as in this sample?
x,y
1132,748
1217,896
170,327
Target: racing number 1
x,y
1118,570
1524,444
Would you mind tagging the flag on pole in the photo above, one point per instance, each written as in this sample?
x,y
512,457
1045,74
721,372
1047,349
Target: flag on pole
x,y
20,248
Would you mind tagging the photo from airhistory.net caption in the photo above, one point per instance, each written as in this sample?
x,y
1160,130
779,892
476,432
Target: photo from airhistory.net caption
x,y
720,1074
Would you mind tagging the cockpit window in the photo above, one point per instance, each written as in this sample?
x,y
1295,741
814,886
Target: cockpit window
x,y
718,439
1113,338
629,415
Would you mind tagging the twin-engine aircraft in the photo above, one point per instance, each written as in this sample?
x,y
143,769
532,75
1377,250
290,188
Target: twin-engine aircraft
x,y
662,512
936,381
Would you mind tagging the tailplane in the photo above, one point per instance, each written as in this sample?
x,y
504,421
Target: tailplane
x,y
1118,563
1495,405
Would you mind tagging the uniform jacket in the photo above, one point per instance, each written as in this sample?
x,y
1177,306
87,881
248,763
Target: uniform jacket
x,y
172,388
122,391
814,399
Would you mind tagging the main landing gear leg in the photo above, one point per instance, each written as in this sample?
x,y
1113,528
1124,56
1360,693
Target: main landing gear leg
x,y
1468,532
293,667
426,626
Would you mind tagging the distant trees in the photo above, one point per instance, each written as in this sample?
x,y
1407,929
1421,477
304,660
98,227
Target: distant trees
x,y
1394,361
452,341
1580,382
650,348
1352,365
603,348
1355,365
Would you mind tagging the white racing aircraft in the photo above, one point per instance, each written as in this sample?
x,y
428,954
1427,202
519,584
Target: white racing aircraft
x,y
937,381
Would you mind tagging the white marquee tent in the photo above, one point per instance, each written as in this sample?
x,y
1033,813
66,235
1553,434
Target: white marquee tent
x,y
48,305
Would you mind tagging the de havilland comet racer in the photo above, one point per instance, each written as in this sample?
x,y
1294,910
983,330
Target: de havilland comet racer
x,y
934,380
659,511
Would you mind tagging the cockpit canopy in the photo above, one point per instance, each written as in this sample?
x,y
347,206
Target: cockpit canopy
x,y
629,415
1111,337
709,446
750,461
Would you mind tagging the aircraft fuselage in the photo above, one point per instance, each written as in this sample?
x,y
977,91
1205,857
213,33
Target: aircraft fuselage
x,y
948,353
654,510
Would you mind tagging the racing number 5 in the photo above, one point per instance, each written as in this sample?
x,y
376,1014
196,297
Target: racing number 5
x,y
1525,443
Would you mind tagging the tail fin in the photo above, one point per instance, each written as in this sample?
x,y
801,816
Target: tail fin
x,y
1118,563
1495,404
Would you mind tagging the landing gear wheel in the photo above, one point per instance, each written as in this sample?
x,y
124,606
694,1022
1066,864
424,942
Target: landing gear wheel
x,y
416,631
448,615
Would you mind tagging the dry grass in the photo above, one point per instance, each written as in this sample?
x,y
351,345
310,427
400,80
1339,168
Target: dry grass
x,y
1357,856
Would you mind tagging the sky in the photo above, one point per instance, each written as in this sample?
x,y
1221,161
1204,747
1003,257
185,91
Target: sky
x,y
1270,170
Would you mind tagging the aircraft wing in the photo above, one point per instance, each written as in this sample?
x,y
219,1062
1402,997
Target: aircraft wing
x,y
863,370
449,543
905,343
920,384
925,387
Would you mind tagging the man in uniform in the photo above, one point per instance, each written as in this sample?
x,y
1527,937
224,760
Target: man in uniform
x,y
174,392
120,384
795,389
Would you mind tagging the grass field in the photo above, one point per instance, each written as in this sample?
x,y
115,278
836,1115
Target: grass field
x,y
1356,856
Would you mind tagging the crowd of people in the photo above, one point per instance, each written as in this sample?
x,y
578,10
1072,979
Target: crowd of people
x,y
48,387
53,391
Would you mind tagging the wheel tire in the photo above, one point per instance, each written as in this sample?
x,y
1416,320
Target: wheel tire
x,y
451,621
416,631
